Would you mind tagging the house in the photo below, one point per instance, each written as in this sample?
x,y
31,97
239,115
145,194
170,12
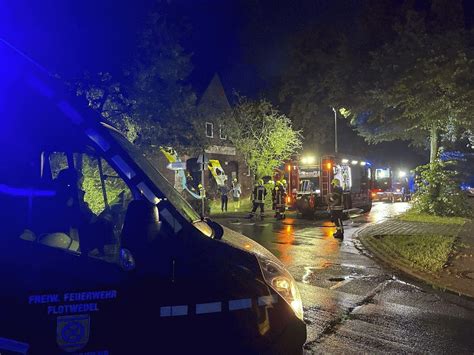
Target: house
x,y
213,107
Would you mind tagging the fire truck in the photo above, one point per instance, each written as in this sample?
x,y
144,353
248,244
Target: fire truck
x,y
315,178
392,187
382,185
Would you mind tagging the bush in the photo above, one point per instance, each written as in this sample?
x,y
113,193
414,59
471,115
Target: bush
x,y
438,193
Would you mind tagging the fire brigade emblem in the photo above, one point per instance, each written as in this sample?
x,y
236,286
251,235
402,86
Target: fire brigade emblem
x,y
72,332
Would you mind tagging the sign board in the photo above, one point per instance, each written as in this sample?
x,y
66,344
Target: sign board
x,y
221,149
202,159
177,165
217,172
309,174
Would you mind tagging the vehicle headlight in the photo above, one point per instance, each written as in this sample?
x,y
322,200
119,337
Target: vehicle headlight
x,y
281,281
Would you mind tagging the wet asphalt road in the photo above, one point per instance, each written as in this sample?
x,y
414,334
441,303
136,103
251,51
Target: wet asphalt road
x,y
354,304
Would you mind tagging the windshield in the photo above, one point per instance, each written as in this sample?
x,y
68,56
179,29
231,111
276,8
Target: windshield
x,y
159,180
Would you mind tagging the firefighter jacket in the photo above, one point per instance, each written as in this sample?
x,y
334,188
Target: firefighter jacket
x,y
279,195
335,199
259,193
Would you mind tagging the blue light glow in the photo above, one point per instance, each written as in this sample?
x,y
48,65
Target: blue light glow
x,y
25,192
41,87
70,112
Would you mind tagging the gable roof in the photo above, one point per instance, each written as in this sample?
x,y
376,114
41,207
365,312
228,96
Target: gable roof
x,y
214,100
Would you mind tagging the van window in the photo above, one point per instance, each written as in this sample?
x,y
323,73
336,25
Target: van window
x,y
79,208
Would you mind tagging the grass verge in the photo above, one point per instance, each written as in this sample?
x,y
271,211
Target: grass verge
x,y
412,216
245,206
427,253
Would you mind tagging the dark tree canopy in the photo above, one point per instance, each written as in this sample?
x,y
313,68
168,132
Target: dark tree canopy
x,y
165,104
397,70
151,102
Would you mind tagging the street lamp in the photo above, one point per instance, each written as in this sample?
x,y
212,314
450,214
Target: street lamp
x,y
335,130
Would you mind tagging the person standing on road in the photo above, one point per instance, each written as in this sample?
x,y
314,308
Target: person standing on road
x,y
236,193
278,198
224,191
336,207
258,199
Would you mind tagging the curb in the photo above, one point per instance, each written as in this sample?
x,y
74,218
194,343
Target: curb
x,y
420,276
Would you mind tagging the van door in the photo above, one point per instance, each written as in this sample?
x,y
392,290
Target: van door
x,y
64,282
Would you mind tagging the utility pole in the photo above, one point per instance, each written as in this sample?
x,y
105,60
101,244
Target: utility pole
x,y
203,160
335,130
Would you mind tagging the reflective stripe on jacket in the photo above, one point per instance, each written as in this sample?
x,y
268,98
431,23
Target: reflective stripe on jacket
x,y
336,199
259,193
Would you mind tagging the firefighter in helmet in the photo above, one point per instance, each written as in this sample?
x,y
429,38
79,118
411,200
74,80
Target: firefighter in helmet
x,y
258,198
336,207
278,198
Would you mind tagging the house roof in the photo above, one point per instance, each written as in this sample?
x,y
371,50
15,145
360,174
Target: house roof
x,y
214,100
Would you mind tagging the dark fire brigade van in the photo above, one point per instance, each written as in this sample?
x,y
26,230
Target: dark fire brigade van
x,y
354,174
129,269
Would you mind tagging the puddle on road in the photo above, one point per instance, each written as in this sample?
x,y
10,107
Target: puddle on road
x,y
332,275
294,242
336,279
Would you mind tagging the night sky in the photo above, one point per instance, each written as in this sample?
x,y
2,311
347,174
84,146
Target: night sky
x,y
70,37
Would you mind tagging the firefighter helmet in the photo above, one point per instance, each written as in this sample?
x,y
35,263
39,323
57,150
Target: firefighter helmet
x,y
335,182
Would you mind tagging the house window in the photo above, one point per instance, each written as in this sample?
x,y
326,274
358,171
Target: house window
x,y
222,134
209,130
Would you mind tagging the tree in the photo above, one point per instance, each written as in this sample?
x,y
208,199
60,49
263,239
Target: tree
x,y
262,134
108,97
328,67
151,102
438,191
397,71
164,104
423,85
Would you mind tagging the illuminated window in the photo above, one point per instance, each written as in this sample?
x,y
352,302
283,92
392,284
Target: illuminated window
x,y
222,134
382,173
209,130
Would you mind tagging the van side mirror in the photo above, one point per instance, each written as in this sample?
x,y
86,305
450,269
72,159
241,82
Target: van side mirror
x,y
216,227
141,225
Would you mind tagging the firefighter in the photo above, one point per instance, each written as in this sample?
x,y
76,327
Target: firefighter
x,y
336,207
278,198
258,199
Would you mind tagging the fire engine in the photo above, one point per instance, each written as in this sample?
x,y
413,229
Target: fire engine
x,y
315,177
390,187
